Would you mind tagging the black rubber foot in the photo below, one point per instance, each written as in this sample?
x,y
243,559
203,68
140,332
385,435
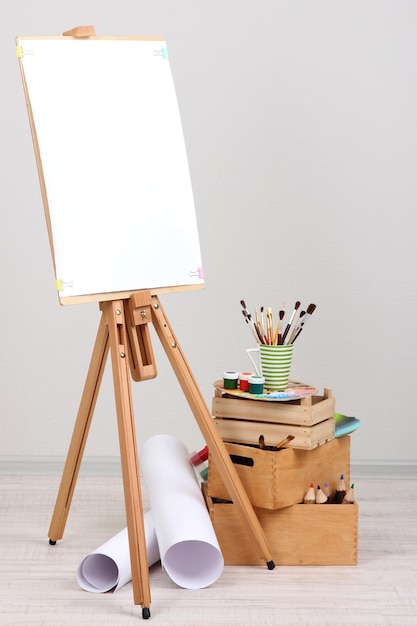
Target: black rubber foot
x,y
271,565
146,613
52,542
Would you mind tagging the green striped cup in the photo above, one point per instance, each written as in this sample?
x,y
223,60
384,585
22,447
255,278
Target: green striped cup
x,y
275,365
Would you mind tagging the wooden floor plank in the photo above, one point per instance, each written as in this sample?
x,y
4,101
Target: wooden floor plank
x,y
39,587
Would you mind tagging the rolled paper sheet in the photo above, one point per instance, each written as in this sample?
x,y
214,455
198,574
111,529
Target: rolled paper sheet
x,y
188,545
108,568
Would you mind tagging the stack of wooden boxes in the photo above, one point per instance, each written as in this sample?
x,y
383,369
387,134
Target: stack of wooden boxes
x,y
277,480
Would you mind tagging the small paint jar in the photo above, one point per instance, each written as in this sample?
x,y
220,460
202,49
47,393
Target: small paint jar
x,y
199,461
230,380
256,384
197,458
244,381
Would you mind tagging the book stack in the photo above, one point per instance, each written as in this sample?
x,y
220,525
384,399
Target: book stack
x,y
277,478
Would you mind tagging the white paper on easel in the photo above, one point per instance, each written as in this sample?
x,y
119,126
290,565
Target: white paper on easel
x,y
188,545
114,164
108,568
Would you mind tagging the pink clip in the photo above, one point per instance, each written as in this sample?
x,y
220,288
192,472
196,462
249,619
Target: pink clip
x,y
199,272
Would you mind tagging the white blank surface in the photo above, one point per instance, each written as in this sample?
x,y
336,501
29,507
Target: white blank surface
x,y
114,164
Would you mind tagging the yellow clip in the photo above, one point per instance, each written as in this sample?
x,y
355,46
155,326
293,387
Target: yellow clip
x,y
59,284
19,52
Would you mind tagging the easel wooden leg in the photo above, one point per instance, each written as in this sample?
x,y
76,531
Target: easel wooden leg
x,y
111,334
80,434
114,314
208,429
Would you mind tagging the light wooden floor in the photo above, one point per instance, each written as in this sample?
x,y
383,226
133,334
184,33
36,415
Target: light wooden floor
x,y
39,588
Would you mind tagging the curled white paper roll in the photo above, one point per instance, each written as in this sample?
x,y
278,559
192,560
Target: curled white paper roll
x,y
188,545
108,568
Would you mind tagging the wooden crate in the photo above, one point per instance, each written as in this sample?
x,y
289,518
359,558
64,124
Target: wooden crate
x,y
248,432
303,412
277,479
303,534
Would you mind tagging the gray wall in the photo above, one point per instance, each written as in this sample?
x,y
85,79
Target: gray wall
x,y
301,128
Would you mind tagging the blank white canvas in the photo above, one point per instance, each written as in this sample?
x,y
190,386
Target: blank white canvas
x,y
114,162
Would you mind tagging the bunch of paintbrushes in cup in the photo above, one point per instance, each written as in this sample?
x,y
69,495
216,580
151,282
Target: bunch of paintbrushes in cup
x,y
281,332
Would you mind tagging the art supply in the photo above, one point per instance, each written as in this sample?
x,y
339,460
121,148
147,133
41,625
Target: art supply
x,y
251,322
344,424
285,442
189,550
261,442
296,328
230,379
108,568
310,496
244,380
254,330
275,365
277,340
288,326
321,497
199,457
124,128
256,384
350,495
77,86
284,334
310,310
199,460
340,490
269,325
326,489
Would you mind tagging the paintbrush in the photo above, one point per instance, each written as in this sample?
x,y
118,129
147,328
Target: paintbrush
x,y
296,328
269,326
251,322
262,320
279,337
310,310
288,326
251,327
284,442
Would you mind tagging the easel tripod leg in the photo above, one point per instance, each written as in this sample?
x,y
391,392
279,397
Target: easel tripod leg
x,y
80,434
114,314
208,429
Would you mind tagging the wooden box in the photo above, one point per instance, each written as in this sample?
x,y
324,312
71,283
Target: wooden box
x,y
303,534
277,479
305,411
248,432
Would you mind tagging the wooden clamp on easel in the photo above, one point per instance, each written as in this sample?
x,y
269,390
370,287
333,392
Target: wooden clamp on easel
x,y
126,311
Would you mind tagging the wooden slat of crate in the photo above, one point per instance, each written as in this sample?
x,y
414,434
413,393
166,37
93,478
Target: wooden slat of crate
x,y
303,534
303,412
305,437
274,480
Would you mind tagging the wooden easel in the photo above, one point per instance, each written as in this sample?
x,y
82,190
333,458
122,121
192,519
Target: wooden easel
x,y
124,330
